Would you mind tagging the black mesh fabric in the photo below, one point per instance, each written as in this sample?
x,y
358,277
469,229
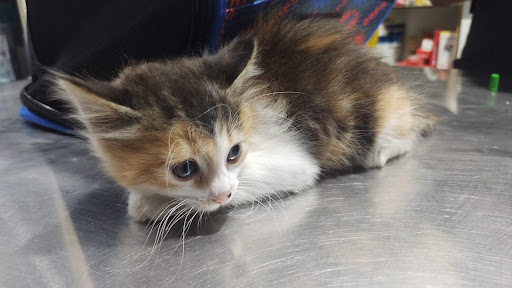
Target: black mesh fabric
x,y
99,36
96,38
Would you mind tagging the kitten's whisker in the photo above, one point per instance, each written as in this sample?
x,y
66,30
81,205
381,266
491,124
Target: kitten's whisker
x,y
185,230
163,229
200,217
277,194
257,199
160,242
262,196
157,243
167,213
163,234
247,200
266,198
157,215
283,209
168,228
152,226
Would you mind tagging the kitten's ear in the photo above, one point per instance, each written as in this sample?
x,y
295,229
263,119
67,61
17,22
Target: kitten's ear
x,y
231,60
100,106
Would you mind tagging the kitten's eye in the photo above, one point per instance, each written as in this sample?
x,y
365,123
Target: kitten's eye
x,y
185,169
234,153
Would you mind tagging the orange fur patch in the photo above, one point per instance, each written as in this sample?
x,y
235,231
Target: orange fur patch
x,y
137,160
394,106
319,43
143,159
246,119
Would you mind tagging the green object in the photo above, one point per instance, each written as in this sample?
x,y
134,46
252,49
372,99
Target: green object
x,y
495,81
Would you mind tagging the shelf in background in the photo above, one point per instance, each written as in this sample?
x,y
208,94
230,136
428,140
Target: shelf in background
x,y
423,7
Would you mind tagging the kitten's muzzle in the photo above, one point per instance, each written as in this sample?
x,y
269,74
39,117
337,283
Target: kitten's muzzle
x,y
222,197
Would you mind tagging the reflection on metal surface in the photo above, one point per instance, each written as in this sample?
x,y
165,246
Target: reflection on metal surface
x,y
491,98
451,80
71,244
453,89
440,216
431,73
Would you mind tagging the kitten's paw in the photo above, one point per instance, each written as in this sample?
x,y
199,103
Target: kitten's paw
x,y
382,155
376,160
146,208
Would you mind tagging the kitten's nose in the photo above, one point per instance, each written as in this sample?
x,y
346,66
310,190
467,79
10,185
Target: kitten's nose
x,y
222,197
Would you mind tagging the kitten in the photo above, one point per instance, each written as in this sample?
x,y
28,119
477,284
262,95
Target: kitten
x,y
268,113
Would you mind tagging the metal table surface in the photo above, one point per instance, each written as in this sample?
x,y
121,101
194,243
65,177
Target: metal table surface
x,y
439,217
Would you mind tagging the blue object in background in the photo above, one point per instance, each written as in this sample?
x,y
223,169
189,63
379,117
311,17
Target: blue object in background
x,y
33,118
363,17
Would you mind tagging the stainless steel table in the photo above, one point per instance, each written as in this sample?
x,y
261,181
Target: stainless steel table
x,y
438,217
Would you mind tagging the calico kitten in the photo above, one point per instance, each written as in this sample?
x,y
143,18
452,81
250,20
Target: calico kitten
x,y
268,113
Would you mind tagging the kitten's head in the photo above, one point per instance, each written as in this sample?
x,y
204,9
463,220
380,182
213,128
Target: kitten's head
x,y
167,127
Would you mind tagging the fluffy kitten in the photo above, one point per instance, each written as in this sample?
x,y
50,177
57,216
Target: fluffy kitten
x,y
267,113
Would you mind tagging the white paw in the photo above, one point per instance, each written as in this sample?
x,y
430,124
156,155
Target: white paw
x,y
381,157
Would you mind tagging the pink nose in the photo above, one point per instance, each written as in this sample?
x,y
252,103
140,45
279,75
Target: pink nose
x,y
222,197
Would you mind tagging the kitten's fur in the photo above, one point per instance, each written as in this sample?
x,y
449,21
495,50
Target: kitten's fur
x,y
298,96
